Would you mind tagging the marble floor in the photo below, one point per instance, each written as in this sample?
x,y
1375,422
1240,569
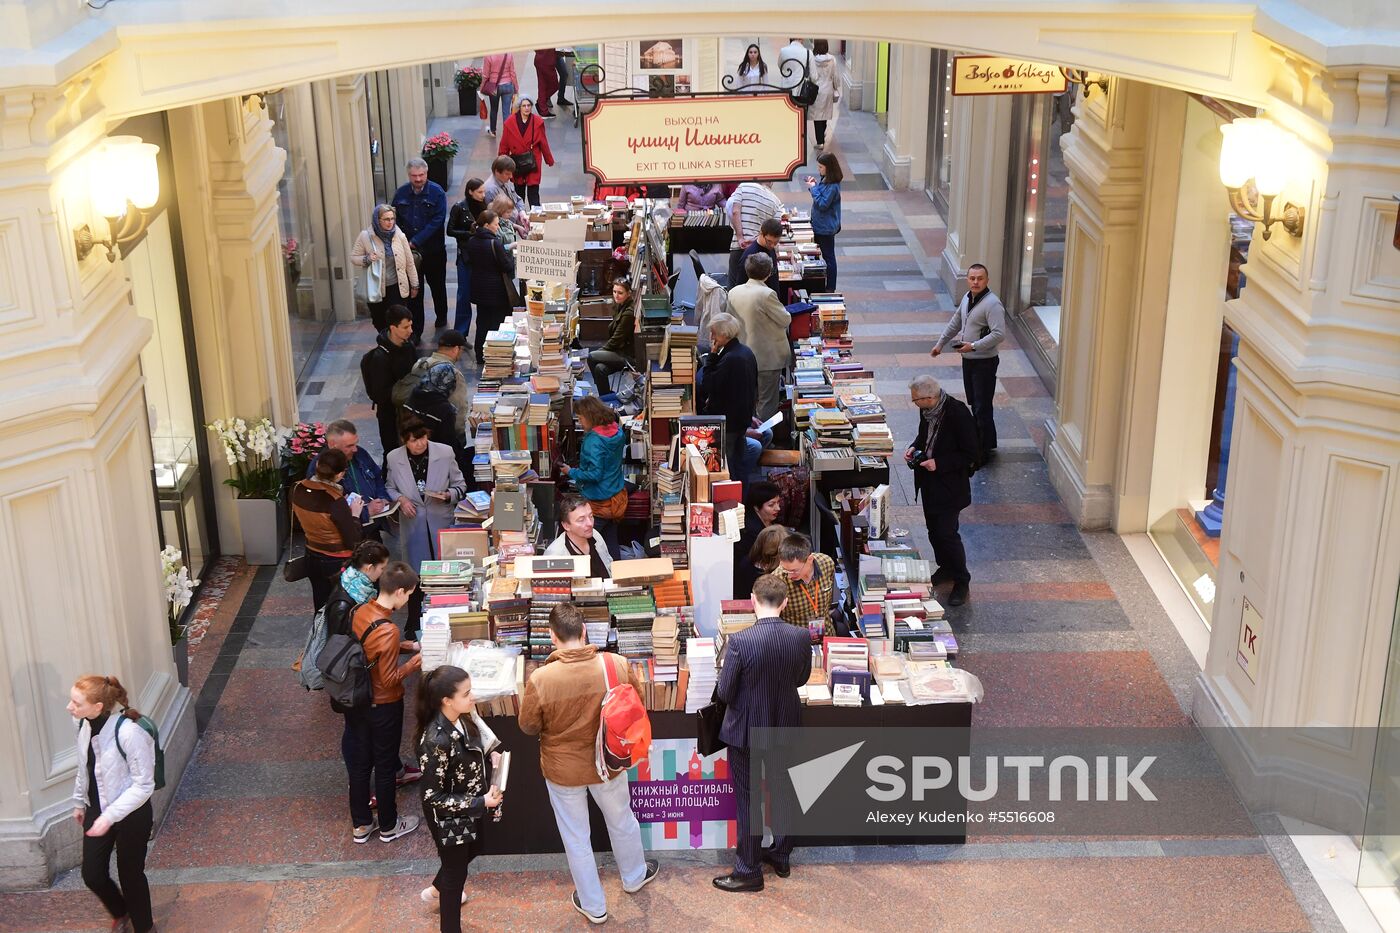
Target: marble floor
x,y
1062,630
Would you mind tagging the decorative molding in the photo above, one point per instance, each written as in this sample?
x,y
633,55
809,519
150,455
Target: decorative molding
x,y
16,291
1376,272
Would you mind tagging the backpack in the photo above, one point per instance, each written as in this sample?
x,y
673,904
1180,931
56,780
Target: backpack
x,y
145,722
404,387
309,675
345,670
624,731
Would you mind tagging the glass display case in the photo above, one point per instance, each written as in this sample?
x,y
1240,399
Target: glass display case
x,y
174,460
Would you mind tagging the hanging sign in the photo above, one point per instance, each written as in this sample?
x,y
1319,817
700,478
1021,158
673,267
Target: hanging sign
x,y
742,137
545,261
992,74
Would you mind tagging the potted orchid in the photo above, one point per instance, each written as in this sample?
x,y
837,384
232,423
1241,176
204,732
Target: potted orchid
x,y
250,448
179,590
439,151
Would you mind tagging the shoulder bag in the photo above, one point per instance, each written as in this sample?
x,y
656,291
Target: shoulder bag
x,y
489,85
709,719
806,93
297,567
525,162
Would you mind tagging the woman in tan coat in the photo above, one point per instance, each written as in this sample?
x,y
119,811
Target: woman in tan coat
x,y
390,283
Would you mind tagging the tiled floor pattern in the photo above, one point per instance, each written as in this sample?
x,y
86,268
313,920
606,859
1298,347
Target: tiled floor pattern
x,y
1061,629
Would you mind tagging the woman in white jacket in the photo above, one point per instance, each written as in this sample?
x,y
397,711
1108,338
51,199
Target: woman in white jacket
x,y
825,75
112,794
386,283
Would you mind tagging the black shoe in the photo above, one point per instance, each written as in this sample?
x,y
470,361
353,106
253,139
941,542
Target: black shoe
x,y
989,455
739,883
941,576
653,869
591,918
780,868
959,594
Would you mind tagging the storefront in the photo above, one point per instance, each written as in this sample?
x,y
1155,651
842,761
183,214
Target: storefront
x,y
939,173
155,264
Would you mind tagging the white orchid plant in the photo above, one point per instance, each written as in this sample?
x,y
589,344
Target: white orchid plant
x,y
250,447
179,588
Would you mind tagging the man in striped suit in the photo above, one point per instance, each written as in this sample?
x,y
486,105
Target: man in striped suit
x,y
763,667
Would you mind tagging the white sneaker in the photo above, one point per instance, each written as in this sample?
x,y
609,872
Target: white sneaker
x,y
429,895
403,827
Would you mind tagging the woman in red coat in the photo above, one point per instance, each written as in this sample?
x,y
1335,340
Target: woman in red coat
x,y
521,134
548,76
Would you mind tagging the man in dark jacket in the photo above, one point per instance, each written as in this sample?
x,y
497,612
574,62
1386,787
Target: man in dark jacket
x,y
729,387
766,244
763,667
390,360
421,206
941,457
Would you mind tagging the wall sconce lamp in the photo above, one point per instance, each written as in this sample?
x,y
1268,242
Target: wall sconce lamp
x,y
1257,160
123,185
1081,77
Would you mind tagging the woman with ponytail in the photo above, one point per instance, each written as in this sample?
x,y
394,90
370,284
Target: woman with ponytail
x,y
457,788
116,778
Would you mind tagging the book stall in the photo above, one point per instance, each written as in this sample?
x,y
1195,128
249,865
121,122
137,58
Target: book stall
x,y
487,601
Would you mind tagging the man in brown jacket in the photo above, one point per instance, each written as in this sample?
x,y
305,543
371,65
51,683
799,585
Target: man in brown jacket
x,y
372,735
563,706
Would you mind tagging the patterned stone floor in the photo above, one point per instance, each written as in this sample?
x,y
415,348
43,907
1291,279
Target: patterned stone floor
x,y
1061,629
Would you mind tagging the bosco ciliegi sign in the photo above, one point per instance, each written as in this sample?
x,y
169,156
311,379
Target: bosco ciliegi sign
x,y
720,138
990,74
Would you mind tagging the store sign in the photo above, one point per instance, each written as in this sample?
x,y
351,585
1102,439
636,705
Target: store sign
x,y
545,261
1250,642
722,138
682,799
991,74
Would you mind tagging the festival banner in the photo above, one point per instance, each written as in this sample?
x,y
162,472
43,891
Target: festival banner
x,y
991,74
684,800
742,137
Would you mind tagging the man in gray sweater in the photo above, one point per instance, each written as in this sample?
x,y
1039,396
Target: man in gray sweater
x,y
977,327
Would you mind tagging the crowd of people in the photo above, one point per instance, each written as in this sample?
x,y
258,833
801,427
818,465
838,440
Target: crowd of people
x,y
348,502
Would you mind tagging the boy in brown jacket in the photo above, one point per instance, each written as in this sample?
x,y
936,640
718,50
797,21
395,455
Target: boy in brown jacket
x,y
372,735
563,706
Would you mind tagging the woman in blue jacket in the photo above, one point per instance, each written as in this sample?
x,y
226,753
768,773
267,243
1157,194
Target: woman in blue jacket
x,y
826,211
599,471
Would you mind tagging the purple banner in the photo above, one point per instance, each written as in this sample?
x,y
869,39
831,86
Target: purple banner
x,y
683,800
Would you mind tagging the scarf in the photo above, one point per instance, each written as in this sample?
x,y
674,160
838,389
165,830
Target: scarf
x,y
358,586
388,238
933,420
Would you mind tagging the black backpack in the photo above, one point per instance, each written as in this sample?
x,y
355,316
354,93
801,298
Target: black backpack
x,y
368,374
345,670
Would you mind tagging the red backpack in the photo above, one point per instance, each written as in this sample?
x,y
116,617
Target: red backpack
x,y
624,731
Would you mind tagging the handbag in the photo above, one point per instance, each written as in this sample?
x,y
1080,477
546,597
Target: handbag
x,y
489,85
512,293
297,567
709,719
481,112
525,163
806,93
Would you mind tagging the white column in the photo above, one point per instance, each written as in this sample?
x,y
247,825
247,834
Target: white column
x,y
226,169
1310,538
853,75
904,157
981,141
78,533
342,141
1104,154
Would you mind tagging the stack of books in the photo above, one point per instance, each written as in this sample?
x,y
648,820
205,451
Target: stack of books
x,y
544,596
873,439
679,348
444,576
510,466
510,622
666,400
666,647
469,625
673,593
700,661
474,508
673,539
735,615
435,636
633,615
851,654
498,360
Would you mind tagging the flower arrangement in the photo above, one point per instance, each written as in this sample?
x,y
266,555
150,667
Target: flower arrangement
x,y
440,148
468,79
290,253
302,444
251,450
179,588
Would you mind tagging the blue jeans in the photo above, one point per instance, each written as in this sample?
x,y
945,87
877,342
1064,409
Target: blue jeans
x,y
463,321
571,815
753,449
503,98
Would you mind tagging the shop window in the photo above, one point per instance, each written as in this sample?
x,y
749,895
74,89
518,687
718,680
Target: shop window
x,y
1040,208
940,127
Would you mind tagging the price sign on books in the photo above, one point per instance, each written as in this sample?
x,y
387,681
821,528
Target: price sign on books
x,y
545,261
